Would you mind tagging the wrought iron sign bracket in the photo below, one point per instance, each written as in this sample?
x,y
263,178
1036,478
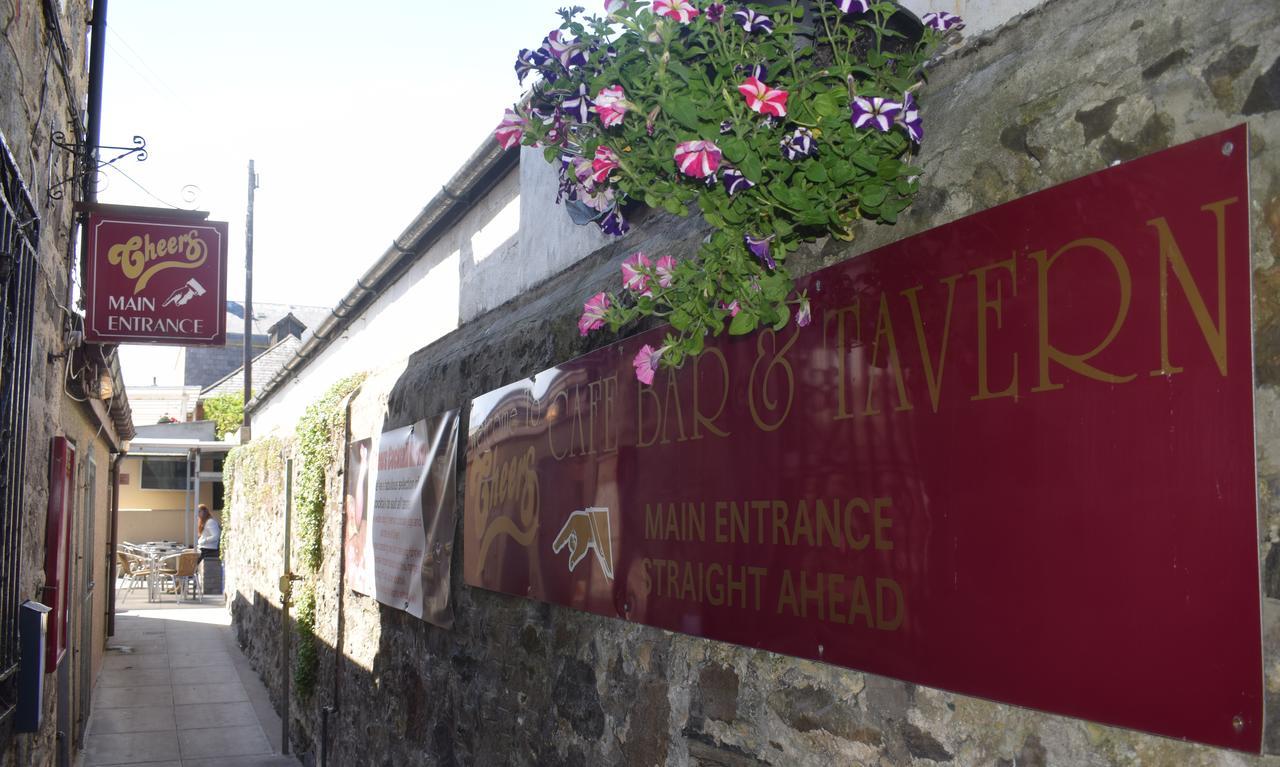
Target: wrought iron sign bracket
x,y
79,150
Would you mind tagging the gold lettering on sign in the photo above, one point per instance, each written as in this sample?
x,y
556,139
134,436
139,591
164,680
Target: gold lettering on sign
x,y
893,363
772,402
841,352
513,482
1171,258
134,254
1079,363
994,306
700,418
933,370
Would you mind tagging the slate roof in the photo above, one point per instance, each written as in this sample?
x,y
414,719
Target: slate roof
x,y
265,366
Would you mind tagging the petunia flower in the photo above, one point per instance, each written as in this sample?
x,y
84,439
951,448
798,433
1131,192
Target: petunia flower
x,y
726,126
760,247
876,112
613,6
635,274
611,105
735,182
698,159
798,145
593,313
603,164
665,271
614,223
529,61
646,363
753,21
910,119
715,12
763,99
510,130
804,314
851,7
578,107
567,51
732,307
682,11
943,21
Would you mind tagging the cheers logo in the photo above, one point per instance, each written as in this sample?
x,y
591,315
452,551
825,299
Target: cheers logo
x,y
504,487
140,257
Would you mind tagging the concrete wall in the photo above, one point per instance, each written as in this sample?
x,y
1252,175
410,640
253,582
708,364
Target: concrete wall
x,y
1062,91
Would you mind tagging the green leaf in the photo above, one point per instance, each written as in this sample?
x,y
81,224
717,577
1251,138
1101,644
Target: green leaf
x,y
734,149
673,205
680,320
683,111
744,323
784,315
750,166
815,172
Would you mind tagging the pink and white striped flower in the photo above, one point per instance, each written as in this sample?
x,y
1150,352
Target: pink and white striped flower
x,y
698,159
682,11
611,105
665,271
603,164
593,313
763,99
635,274
646,363
510,130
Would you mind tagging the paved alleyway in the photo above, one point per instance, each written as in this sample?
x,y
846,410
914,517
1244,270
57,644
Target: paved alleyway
x,y
175,691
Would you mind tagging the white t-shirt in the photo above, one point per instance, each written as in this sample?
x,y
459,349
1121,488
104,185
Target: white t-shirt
x,y
211,536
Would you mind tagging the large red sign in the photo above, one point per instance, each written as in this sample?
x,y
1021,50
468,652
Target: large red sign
x,y
155,276
1012,457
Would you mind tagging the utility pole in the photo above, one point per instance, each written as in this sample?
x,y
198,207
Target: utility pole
x,y
246,432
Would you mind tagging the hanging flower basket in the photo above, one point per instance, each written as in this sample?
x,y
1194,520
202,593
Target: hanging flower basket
x,y
784,123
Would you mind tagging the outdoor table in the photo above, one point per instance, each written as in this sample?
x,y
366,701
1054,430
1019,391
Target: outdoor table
x,y
157,550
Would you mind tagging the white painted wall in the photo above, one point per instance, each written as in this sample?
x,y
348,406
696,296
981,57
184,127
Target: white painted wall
x,y
423,305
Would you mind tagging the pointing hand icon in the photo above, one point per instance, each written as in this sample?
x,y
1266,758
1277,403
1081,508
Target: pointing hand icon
x,y
583,531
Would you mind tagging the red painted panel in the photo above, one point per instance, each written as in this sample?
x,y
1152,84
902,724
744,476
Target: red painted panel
x,y
57,552
1012,456
155,278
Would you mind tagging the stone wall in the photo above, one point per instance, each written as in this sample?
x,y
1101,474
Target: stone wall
x,y
1064,90
43,84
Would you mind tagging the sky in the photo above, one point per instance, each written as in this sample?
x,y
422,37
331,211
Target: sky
x,y
354,114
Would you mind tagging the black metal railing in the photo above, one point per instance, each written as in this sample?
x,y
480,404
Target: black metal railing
x,y
19,235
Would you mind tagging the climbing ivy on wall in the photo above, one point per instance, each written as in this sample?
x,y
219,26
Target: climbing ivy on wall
x,y
319,442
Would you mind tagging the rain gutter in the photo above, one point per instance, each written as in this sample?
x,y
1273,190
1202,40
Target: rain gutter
x,y
488,165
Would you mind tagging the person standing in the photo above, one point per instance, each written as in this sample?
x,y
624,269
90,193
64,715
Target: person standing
x,y
210,534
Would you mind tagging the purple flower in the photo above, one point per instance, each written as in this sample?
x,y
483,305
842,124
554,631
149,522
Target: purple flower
x,y
798,145
751,21
568,52
910,119
760,247
714,12
942,21
804,314
735,182
578,107
758,71
851,7
529,61
613,223
877,112
726,126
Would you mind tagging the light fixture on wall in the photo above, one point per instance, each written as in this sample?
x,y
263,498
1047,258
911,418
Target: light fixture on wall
x,y
104,387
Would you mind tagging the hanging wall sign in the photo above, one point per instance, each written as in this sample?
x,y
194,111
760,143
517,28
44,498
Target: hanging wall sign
x,y
155,276
1011,457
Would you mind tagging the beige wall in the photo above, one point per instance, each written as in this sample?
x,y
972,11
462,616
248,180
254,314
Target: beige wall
x,y
156,515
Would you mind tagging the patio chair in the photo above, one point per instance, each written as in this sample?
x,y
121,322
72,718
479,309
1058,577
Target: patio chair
x,y
181,568
133,570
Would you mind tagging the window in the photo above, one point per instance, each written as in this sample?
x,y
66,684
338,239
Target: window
x,y
164,474
19,233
